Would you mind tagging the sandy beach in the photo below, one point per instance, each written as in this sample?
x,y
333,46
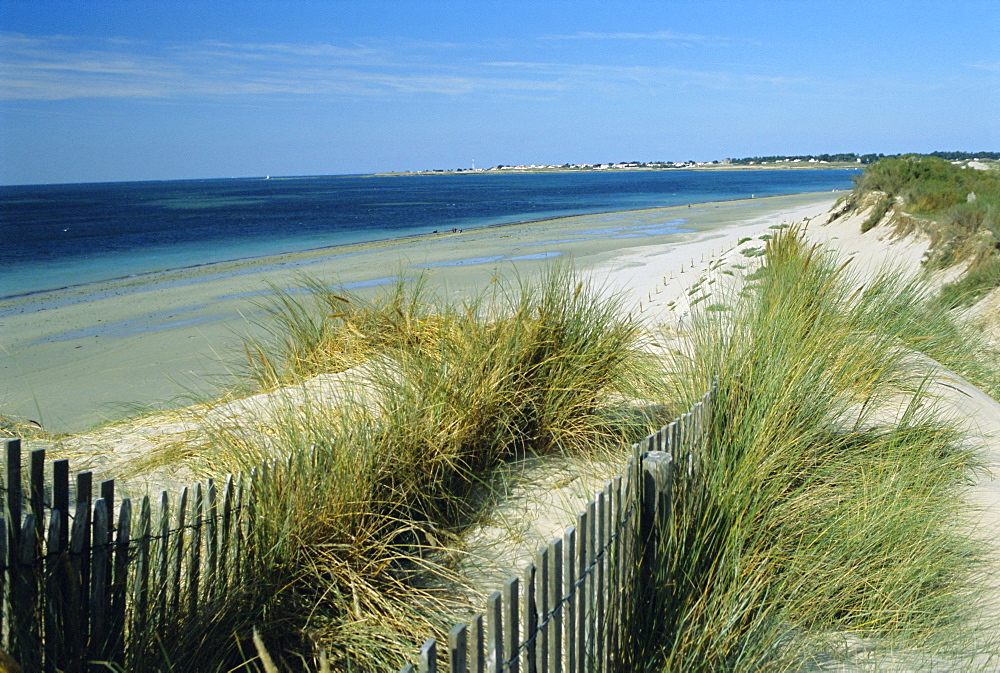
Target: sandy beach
x,y
76,357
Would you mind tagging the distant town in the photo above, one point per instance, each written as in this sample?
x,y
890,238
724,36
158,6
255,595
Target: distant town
x,y
844,160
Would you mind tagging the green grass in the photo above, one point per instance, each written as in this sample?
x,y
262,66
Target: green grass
x,y
357,539
827,503
961,209
975,284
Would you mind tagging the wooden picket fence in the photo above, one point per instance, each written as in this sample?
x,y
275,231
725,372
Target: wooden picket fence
x,y
569,610
78,589
75,588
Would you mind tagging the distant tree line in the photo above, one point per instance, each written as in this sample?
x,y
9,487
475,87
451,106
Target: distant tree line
x,y
851,157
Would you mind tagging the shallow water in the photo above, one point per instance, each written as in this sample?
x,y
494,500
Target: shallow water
x,y
58,236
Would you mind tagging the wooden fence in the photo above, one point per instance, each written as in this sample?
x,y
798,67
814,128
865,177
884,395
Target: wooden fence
x,y
77,588
569,609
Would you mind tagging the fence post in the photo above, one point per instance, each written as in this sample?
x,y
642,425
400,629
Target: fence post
x,y
554,605
37,498
84,496
119,584
530,619
477,650
656,468
494,633
428,657
542,610
60,498
582,612
12,516
100,597
458,649
140,617
511,606
55,586
601,558
26,603
569,551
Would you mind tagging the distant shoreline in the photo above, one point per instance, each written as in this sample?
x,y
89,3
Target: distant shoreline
x,y
790,166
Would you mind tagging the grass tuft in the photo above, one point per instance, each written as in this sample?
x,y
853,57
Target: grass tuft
x,y
826,506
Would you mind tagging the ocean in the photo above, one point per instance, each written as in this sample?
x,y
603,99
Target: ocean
x,y
57,236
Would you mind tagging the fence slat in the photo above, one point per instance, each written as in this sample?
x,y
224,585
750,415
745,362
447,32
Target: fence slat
x,y
108,494
592,541
530,619
617,583
601,558
250,497
240,513
140,617
55,584
85,494
194,561
494,633
79,588
12,512
542,608
162,559
458,653
25,596
60,498
657,467
37,499
582,524
177,554
477,648
428,657
99,589
555,595
222,578
116,625
5,560
569,551
511,639
211,541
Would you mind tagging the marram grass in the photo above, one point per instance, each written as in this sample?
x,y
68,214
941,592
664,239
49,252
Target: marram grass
x,y
826,507
358,538
824,515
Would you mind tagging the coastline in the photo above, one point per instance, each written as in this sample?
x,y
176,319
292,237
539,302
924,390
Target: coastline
x,y
631,169
73,357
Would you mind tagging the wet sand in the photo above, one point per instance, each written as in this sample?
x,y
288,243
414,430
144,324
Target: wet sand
x,y
79,356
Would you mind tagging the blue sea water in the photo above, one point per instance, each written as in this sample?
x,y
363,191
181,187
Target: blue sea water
x,y
56,236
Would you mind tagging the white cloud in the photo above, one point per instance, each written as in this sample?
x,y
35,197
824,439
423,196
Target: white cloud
x,y
55,68
686,39
58,68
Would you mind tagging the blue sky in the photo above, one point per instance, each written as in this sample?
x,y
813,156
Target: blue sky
x,y
94,91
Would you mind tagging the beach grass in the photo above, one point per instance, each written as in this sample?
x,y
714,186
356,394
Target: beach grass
x,y
357,540
824,517
957,207
823,522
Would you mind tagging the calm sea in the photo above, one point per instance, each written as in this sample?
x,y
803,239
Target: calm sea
x,y
58,236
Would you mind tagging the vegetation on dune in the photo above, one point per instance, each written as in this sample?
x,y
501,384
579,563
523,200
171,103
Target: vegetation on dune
x,y
822,518
826,508
354,542
963,206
